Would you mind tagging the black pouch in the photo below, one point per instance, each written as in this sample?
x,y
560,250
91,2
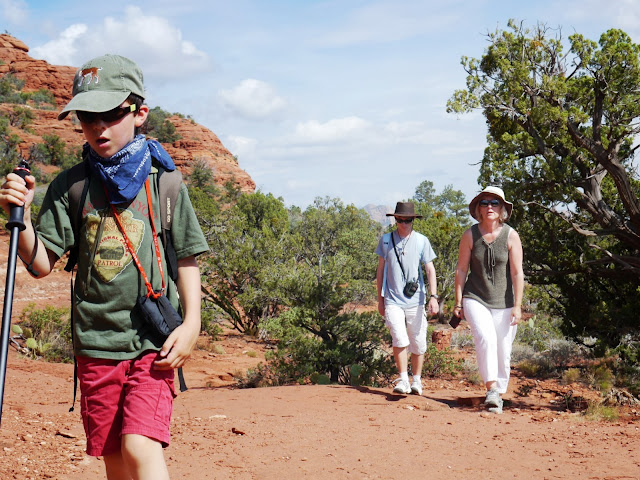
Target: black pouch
x,y
410,289
455,321
159,314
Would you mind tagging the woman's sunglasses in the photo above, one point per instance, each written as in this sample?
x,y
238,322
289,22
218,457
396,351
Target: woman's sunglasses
x,y
107,117
404,220
494,203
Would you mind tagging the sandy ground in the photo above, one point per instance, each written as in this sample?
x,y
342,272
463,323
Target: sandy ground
x,y
315,432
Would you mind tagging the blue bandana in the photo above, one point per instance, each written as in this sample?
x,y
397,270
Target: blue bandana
x,y
124,173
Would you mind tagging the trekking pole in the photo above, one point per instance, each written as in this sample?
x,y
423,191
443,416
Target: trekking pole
x,y
15,225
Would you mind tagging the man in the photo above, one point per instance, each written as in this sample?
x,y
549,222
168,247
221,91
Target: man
x,y
402,294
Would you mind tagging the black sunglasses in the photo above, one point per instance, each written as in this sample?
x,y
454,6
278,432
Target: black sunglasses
x,y
404,220
493,203
107,117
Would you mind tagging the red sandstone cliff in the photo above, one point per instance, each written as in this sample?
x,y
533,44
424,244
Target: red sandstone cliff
x,y
197,142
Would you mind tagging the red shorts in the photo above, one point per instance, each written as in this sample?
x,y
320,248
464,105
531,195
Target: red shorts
x,y
122,397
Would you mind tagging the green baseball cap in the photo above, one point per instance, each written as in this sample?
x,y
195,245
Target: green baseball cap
x,y
103,83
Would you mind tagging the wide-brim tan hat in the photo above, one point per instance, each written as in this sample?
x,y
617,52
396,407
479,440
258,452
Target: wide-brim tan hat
x,y
496,192
404,209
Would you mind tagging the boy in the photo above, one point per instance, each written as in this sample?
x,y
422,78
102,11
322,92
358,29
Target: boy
x,y
125,370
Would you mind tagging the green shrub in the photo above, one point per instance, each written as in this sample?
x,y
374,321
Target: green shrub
x,y
598,412
601,377
50,332
571,375
159,126
441,362
10,87
537,367
210,326
43,97
21,117
538,332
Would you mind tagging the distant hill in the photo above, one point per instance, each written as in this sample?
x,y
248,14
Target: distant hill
x,y
379,213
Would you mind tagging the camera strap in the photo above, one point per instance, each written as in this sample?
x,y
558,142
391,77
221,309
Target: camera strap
x,y
404,277
150,290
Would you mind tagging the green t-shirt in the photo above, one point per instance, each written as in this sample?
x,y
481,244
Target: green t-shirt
x,y
106,324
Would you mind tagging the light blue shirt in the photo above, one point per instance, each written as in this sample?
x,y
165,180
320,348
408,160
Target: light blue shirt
x,y
413,251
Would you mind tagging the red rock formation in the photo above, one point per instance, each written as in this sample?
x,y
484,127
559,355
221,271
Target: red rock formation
x,y
197,142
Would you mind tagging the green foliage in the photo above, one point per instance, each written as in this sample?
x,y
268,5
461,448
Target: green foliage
x,y
54,151
202,176
441,362
209,324
562,120
601,377
21,117
42,98
538,332
350,339
50,332
247,244
10,87
598,412
571,375
9,155
328,272
159,126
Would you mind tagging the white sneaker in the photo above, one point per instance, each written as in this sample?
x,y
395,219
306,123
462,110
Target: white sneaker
x,y
493,399
401,387
416,388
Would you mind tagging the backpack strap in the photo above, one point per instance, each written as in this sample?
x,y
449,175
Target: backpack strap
x,y
78,186
169,183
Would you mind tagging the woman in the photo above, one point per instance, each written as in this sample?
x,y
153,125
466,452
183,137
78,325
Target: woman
x,y
490,298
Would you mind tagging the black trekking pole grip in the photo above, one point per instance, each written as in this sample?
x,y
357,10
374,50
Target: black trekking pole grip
x,y
15,225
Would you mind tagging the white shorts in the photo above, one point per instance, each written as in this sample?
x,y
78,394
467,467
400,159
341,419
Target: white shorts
x,y
408,327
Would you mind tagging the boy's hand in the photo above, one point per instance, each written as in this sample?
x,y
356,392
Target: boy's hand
x,y
178,346
16,191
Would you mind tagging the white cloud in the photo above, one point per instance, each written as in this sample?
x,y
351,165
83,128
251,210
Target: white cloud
x,y
151,41
253,99
240,146
61,51
14,11
335,130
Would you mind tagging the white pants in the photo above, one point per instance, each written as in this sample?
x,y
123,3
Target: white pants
x,y
408,327
493,337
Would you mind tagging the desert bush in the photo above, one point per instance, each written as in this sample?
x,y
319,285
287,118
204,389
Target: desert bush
x,y
50,329
598,412
159,126
441,362
42,98
210,324
538,332
471,373
461,339
563,352
521,352
21,117
538,366
54,151
571,375
10,87
601,377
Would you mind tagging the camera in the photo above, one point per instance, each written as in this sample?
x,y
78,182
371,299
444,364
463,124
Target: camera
x,y
410,289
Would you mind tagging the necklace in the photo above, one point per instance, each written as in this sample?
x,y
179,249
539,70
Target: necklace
x,y
403,244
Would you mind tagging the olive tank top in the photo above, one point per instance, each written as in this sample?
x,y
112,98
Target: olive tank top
x,y
489,281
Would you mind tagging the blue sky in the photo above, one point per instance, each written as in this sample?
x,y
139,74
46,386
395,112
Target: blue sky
x,y
338,98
